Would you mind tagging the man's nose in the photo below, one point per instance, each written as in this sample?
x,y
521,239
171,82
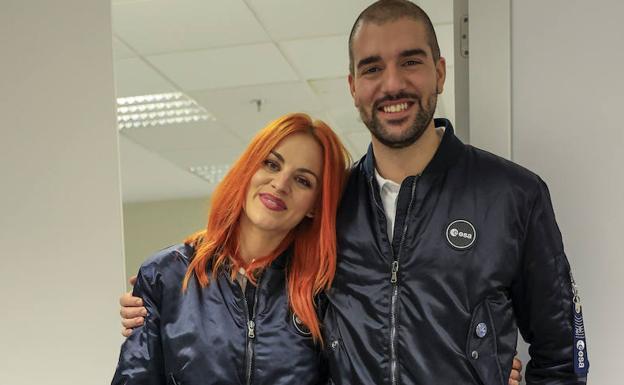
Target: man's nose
x,y
393,81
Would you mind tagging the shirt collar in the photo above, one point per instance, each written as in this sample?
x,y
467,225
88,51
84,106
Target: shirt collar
x,y
386,183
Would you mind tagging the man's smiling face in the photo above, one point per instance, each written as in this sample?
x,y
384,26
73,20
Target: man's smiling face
x,y
395,81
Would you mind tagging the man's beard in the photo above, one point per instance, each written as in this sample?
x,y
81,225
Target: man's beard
x,y
413,133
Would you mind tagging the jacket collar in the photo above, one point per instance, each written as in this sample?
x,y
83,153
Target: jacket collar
x,y
445,156
283,259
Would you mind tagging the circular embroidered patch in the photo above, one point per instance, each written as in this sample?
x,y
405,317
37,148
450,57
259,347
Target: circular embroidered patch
x,y
461,234
300,326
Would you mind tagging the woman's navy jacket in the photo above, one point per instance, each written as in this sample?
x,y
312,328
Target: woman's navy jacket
x,y
217,334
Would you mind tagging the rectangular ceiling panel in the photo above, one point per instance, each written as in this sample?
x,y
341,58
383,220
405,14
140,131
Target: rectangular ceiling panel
x,y
201,135
318,58
133,77
160,26
225,67
296,19
238,109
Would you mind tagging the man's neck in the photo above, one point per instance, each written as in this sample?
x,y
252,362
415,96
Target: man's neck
x,y
397,164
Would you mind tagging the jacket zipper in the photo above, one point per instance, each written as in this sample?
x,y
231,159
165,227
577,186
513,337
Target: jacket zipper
x,y
395,292
394,270
576,299
251,331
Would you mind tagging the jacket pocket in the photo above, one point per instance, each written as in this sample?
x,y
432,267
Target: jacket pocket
x,y
482,348
333,355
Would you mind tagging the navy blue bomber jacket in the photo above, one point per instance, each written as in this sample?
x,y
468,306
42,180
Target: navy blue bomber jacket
x,y
476,254
216,335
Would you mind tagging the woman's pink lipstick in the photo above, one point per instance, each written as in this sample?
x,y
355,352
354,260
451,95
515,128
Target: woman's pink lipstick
x,y
272,202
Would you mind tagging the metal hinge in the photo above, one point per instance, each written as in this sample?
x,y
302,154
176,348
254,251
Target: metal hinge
x,y
463,37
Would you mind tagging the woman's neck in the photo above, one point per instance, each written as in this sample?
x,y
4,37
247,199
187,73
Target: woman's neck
x,y
255,243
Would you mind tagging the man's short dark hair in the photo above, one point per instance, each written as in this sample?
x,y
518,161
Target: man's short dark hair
x,y
384,11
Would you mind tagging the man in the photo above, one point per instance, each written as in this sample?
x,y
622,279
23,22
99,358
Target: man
x,y
444,250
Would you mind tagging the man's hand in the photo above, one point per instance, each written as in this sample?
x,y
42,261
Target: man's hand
x,y
516,369
132,311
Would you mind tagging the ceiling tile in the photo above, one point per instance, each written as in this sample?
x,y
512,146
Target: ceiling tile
x,y
225,67
318,58
224,155
205,135
234,107
134,77
121,51
159,26
295,19
147,176
333,92
348,120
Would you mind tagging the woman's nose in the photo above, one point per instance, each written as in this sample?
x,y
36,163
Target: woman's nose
x,y
280,182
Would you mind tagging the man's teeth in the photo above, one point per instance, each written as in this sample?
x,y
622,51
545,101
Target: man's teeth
x,y
395,107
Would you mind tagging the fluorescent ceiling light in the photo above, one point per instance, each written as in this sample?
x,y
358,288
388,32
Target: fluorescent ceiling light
x,y
211,173
159,110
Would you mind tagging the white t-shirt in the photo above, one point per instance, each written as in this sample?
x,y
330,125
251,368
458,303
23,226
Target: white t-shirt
x,y
389,192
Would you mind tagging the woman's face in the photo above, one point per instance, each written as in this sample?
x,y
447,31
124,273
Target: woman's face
x,y
284,190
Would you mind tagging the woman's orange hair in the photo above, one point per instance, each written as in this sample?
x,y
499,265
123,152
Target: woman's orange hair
x,y
313,263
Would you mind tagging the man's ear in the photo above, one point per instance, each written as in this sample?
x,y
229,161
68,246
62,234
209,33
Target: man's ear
x,y
440,74
352,88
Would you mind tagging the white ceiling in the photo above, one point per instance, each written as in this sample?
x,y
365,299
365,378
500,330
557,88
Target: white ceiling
x,y
290,54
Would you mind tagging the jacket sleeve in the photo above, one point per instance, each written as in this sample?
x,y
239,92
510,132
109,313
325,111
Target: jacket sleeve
x,y
544,301
141,357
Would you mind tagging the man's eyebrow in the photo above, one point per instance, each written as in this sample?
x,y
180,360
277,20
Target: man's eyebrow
x,y
413,52
368,60
278,155
406,53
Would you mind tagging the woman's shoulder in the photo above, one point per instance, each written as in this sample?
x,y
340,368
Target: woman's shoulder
x,y
172,260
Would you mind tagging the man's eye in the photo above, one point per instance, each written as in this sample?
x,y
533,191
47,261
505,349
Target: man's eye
x,y
371,70
411,62
271,165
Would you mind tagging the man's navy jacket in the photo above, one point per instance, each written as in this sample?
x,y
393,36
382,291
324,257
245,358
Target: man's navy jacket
x,y
476,255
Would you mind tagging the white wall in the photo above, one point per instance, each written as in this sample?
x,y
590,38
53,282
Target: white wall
x,y
567,97
490,76
460,74
151,226
61,269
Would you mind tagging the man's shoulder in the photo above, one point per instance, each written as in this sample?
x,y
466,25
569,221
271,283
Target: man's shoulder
x,y
493,167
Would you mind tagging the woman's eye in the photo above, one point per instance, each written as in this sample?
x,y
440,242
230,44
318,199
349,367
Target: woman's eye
x,y
271,165
303,181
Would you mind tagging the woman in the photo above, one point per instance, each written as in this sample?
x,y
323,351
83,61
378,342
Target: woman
x,y
235,303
